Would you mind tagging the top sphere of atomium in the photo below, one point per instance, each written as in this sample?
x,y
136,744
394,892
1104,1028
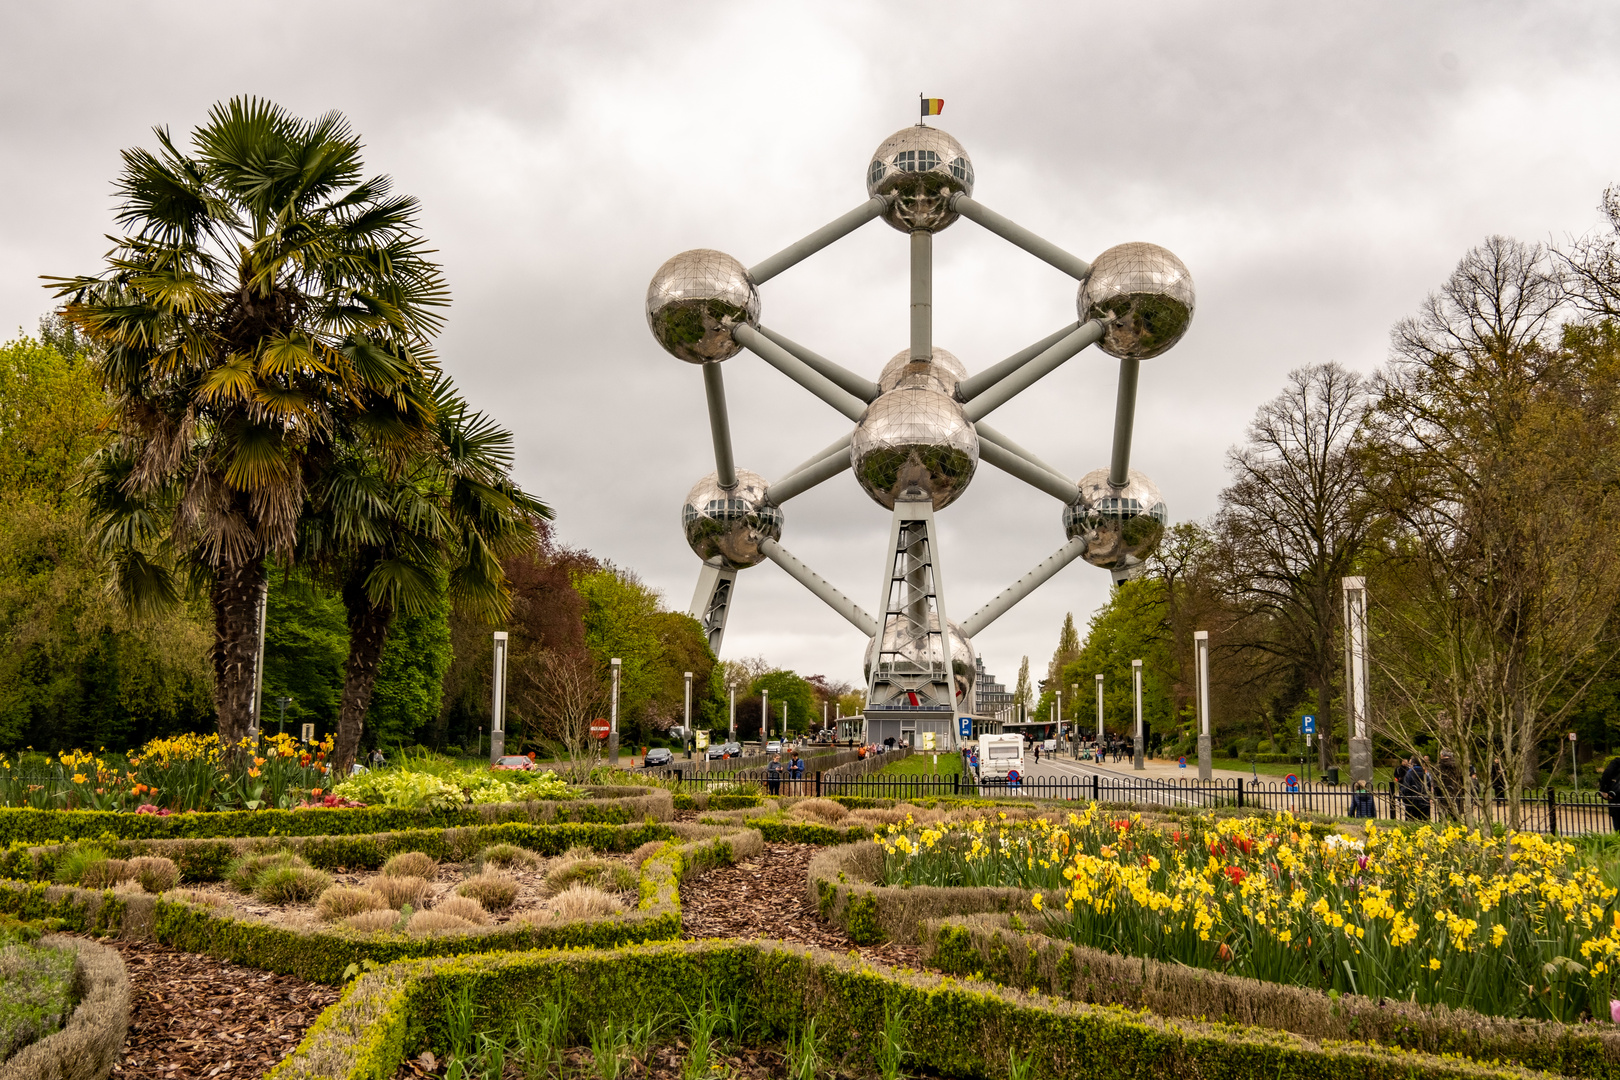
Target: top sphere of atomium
x,y
920,168
914,443
695,299
941,373
1145,296
730,523
1121,525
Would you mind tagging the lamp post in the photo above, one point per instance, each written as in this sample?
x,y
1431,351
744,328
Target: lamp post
x,y
764,720
1136,694
1201,660
497,701
1355,677
691,737
613,718
1099,710
733,734
1058,696
283,702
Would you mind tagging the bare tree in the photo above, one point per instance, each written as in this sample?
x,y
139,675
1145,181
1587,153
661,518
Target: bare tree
x,y
1294,522
1591,264
565,690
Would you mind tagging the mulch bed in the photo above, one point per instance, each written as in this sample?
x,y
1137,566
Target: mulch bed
x,y
765,898
197,1017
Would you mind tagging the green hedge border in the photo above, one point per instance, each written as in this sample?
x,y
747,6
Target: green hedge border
x,y
89,1043
1002,949
607,805
840,883
954,1028
324,955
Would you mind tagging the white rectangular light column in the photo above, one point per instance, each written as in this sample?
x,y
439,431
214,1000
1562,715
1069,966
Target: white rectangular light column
x,y
497,701
1355,677
1136,693
1201,661
1058,694
733,737
613,717
1099,710
764,719
691,736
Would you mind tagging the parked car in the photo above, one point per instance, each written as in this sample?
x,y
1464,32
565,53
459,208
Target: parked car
x,y
657,757
774,746
720,750
512,762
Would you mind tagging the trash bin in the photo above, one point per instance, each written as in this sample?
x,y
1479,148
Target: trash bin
x,y
1333,775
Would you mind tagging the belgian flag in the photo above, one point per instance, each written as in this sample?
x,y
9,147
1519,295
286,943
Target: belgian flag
x,y
932,106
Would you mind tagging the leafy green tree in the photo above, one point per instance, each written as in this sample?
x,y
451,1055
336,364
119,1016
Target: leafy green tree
x,y
410,678
265,302
1023,692
618,617
1068,648
787,687
1129,627
305,642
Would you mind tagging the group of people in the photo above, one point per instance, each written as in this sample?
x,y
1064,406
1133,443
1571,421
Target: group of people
x,y
792,771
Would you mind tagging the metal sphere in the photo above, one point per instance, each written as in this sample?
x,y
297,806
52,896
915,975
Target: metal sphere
x,y
914,442
695,299
1121,525
922,167
1144,294
964,665
730,523
942,373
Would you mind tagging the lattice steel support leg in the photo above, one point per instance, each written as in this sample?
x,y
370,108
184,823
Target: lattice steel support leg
x,y
712,601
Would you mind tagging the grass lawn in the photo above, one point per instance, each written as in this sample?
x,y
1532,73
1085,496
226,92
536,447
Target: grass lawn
x,y
922,764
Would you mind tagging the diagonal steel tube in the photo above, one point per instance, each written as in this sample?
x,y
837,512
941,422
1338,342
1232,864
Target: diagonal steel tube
x,y
801,250
810,474
800,372
1025,585
987,432
1013,464
865,389
1018,381
819,586
714,388
967,388
1013,233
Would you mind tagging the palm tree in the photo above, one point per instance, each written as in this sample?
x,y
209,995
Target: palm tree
x,y
263,290
391,539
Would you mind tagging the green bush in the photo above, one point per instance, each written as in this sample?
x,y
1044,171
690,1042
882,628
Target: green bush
x,y
76,861
290,885
243,874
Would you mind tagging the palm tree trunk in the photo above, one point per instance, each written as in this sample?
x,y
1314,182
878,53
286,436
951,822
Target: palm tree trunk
x,y
235,598
368,633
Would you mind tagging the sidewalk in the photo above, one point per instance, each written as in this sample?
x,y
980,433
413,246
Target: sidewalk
x,y
1157,769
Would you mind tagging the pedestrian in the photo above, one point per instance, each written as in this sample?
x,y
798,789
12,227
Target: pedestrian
x,y
1449,784
1397,805
1609,787
1037,753
377,758
796,773
1415,791
1361,803
773,775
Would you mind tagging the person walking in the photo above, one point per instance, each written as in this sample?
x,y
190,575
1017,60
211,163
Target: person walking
x,y
1415,791
1397,802
773,775
1361,803
1609,787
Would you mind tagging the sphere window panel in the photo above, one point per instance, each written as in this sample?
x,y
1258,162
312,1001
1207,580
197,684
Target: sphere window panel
x,y
962,169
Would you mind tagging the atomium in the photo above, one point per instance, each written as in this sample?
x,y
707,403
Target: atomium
x,y
1121,524
920,168
920,429
1145,296
914,443
694,302
730,523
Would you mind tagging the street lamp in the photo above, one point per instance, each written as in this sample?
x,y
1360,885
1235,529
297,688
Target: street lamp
x,y
613,717
283,702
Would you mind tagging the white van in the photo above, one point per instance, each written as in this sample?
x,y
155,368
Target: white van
x,y
999,755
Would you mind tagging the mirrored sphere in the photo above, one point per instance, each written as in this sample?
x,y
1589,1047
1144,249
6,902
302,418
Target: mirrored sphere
x,y
730,524
1122,525
914,442
1144,294
695,299
922,167
964,665
942,373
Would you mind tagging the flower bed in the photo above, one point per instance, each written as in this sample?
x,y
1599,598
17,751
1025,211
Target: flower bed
x,y
862,1013
1508,926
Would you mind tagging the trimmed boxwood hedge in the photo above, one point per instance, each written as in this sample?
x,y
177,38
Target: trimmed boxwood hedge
x,y
88,1044
966,1029
607,805
324,954
840,882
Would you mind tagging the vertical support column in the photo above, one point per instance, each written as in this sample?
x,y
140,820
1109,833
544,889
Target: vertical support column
x,y
764,719
1099,709
733,737
613,717
254,726
1058,701
691,736
497,701
1119,464
1136,694
1201,661
922,296
1355,677
711,602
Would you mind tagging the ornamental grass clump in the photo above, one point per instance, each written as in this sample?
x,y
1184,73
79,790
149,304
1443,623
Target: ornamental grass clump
x,y
436,920
36,993
506,856
608,873
582,902
1509,926
371,922
399,891
290,884
244,870
340,902
823,810
103,873
411,864
496,892
73,863
155,873
463,907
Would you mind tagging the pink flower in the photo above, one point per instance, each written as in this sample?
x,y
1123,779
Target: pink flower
x,y
1614,1011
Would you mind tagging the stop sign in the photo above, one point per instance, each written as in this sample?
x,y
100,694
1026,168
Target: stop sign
x,y
599,728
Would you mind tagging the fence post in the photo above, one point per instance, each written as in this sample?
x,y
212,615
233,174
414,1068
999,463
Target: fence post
x,y
1240,794
818,783
956,783
1093,787
1552,810
677,776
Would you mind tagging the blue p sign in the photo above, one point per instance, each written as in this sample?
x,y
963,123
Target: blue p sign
x,y
1307,726
967,726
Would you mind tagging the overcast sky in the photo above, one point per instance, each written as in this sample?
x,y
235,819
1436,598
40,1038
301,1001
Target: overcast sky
x,y
1319,168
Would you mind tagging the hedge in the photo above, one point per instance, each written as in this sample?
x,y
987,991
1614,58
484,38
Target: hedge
x,y
702,800
89,1043
997,947
841,884
611,806
206,860
323,955
952,1028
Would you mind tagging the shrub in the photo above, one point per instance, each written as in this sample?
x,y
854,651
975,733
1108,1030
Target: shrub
x,y
582,902
36,994
74,862
340,902
495,891
823,810
504,856
290,884
463,907
373,921
399,891
104,873
611,873
401,790
244,871
435,920
156,874
411,864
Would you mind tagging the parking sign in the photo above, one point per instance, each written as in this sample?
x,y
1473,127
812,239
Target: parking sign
x,y
967,726
1308,725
